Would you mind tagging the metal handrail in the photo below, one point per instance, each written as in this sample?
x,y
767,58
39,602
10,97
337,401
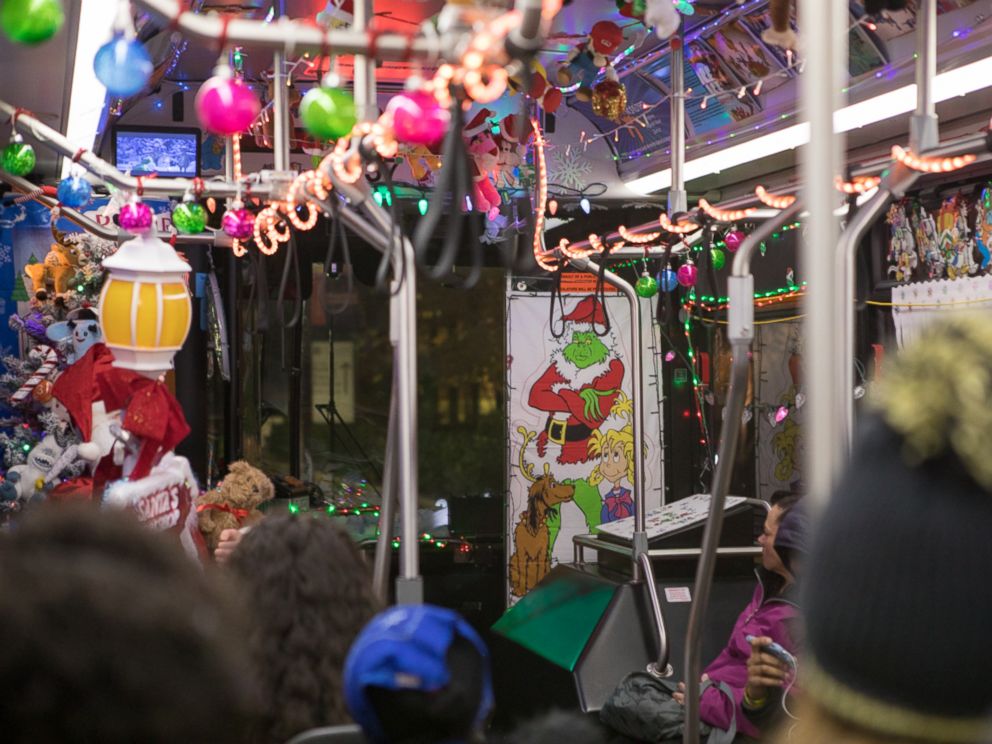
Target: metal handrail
x,y
26,123
661,667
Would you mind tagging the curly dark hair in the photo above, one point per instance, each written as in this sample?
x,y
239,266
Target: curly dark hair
x,y
311,593
111,634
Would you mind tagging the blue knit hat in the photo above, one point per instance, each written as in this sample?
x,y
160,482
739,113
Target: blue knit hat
x,y
405,648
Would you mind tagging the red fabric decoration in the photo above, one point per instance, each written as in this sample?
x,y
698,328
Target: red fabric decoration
x,y
151,413
77,387
239,514
75,489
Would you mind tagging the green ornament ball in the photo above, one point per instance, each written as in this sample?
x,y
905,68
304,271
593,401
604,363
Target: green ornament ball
x,y
328,113
647,286
189,218
31,21
718,257
18,158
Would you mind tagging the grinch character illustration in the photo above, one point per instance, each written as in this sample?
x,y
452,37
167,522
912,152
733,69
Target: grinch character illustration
x,y
580,386
615,450
902,247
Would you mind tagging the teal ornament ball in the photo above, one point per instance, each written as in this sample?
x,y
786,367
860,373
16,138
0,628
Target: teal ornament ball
x,y
718,257
189,218
18,157
328,113
647,286
31,21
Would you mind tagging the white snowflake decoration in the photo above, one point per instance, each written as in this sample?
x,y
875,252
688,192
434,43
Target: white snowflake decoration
x,y
569,169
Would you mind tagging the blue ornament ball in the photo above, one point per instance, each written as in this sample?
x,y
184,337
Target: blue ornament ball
x,y
123,66
75,192
668,280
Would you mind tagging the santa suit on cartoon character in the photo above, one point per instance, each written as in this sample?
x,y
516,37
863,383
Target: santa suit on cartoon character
x,y
579,387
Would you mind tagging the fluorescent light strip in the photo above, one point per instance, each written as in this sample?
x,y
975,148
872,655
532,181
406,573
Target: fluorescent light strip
x,y
958,82
87,95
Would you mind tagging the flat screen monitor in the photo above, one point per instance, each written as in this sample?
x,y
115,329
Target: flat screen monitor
x,y
172,152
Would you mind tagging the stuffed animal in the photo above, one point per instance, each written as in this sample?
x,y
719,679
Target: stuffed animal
x,y
583,63
33,477
79,332
58,268
484,152
541,91
514,133
661,15
234,503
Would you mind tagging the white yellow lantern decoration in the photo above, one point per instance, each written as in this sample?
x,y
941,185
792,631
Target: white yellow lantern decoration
x,y
145,308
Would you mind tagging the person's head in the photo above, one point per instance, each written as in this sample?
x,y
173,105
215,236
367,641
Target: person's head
x,y
896,590
111,634
309,592
780,504
557,726
418,674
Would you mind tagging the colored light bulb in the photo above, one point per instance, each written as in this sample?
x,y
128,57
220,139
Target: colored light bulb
x,y
31,21
189,218
418,119
238,222
328,113
18,157
733,239
647,286
225,104
687,274
123,66
718,257
136,217
74,191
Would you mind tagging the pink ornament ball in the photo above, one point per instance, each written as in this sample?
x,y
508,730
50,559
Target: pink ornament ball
x,y
733,239
136,217
687,275
226,105
238,223
418,119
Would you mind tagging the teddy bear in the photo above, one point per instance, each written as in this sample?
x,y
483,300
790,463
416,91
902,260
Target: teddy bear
x,y
583,63
234,502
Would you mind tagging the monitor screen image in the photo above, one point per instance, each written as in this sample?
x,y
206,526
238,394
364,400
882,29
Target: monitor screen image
x,y
166,152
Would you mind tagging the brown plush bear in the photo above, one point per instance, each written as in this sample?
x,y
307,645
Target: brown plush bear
x,y
234,503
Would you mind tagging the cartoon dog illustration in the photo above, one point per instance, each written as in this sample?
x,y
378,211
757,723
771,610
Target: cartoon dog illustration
x,y
531,559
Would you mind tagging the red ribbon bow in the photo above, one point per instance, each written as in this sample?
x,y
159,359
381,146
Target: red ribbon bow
x,y
239,514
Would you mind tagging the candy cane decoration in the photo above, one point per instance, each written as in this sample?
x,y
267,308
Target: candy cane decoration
x,y
47,368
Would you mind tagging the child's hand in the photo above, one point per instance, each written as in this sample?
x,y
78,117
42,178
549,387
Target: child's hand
x,y
229,540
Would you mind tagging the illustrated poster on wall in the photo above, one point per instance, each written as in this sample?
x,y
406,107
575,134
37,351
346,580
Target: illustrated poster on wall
x,y
746,56
570,447
780,446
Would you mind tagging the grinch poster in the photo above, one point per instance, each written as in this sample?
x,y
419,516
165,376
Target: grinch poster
x,y
570,408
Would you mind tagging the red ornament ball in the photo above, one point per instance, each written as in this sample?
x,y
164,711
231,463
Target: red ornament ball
x,y
687,274
136,217
733,239
238,223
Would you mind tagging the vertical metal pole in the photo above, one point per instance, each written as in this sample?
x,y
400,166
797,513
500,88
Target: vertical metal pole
x,y
923,127
387,509
232,285
821,85
677,198
280,113
280,107
365,89
409,584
